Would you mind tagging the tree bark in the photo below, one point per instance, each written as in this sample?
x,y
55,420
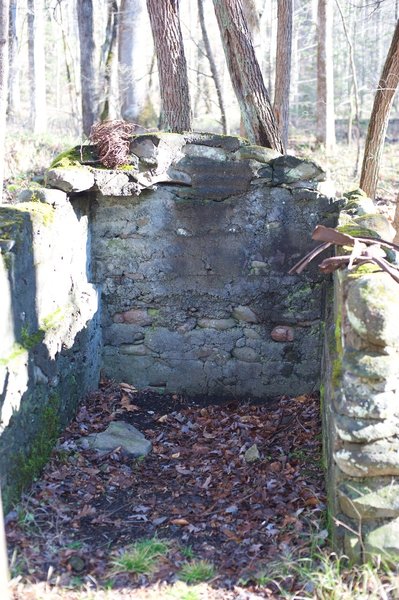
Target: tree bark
x,y
87,69
132,86
379,118
212,65
107,58
14,96
4,16
325,77
172,66
256,109
37,73
283,67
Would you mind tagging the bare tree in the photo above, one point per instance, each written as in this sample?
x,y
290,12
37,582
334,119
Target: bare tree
x,y
132,85
4,16
14,96
212,65
256,109
107,58
37,72
283,67
172,66
379,118
87,62
325,77
355,89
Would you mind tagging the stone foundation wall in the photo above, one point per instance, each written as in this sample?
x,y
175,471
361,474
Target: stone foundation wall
x,y
50,343
361,400
195,291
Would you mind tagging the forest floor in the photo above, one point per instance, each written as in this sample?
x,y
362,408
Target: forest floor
x,y
211,518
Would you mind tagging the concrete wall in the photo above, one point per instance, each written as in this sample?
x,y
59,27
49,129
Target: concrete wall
x,y
49,329
196,296
361,400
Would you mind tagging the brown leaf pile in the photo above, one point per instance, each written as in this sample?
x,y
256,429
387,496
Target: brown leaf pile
x,y
112,139
195,489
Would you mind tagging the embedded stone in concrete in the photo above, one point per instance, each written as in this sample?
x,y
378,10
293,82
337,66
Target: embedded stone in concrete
x,y
134,316
376,498
282,333
244,313
219,324
118,434
373,366
383,541
365,430
369,460
363,399
246,354
287,169
258,153
115,183
134,349
207,152
72,179
378,223
372,308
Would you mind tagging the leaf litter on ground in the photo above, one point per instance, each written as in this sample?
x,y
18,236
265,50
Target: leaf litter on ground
x,y
195,489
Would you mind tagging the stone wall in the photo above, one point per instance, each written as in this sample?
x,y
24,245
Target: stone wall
x,y
196,296
49,329
360,400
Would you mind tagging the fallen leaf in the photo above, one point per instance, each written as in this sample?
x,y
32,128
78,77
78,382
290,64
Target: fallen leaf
x,y
180,522
182,470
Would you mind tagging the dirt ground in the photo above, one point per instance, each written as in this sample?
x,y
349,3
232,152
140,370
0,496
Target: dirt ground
x,y
197,490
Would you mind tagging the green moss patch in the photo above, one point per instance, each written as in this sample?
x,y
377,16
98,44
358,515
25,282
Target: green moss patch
x,y
28,465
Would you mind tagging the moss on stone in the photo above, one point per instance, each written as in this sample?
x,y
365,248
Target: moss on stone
x,y
29,340
365,269
74,157
29,465
356,230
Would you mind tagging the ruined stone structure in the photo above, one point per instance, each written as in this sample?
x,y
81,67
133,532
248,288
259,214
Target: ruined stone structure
x,y
360,399
172,273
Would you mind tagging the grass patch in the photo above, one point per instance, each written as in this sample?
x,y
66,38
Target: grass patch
x,y
141,557
197,571
187,552
327,577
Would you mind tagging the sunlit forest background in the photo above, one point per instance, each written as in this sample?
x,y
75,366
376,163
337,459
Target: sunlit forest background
x,y
44,111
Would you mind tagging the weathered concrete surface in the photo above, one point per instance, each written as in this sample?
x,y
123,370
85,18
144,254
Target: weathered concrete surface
x,y
194,275
50,342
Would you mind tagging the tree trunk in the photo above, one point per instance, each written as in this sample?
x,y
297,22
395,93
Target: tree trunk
x,y
325,77
212,64
14,96
4,16
283,67
396,220
87,69
172,66
107,58
256,109
132,86
37,73
379,118
355,88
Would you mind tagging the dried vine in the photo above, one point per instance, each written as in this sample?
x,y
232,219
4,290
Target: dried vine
x,y
112,139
